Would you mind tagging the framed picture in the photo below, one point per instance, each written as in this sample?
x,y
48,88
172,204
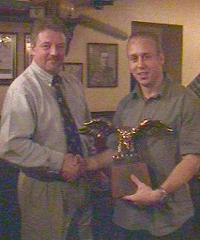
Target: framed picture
x,y
27,50
73,71
7,57
102,60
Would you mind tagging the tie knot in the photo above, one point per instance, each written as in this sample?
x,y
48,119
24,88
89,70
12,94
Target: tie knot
x,y
56,80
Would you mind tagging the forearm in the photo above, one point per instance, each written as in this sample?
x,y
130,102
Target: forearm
x,y
101,160
182,173
26,153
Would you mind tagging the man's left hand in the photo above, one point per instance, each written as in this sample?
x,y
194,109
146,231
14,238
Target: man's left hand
x,y
144,195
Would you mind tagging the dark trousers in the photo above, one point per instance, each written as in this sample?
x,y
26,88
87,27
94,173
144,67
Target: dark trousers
x,y
9,208
102,215
184,233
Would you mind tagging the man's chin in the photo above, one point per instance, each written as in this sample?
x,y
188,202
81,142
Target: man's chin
x,y
143,81
53,69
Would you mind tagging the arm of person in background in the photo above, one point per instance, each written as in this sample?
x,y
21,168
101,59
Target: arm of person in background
x,y
180,175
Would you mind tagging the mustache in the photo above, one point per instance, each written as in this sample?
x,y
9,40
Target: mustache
x,y
54,58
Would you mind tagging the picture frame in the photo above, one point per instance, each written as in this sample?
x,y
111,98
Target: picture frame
x,y
27,50
8,61
102,65
73,71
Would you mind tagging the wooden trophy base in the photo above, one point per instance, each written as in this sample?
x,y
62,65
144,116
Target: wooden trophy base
x,y
120,178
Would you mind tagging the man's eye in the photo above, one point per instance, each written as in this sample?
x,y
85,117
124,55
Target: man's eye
x,y
133,59
45,46
60,46
147,57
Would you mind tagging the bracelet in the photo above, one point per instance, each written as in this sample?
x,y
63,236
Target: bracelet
x,y
163,192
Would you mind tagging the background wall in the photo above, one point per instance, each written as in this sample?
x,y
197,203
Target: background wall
x,y
120,15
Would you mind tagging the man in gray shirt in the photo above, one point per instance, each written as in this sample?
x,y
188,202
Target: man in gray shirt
x,y
52,194
165,210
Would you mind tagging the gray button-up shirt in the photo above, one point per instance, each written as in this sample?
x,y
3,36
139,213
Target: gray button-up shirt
x,y
32,133
180,110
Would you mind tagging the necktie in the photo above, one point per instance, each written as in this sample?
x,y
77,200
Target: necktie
x,y
71,132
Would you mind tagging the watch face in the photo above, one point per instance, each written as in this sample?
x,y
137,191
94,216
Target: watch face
x,y
164,194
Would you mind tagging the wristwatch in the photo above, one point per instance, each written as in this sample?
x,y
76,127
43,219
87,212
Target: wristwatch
x,y
164,194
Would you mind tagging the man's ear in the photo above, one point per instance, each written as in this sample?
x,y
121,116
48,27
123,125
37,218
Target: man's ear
x,y
32,50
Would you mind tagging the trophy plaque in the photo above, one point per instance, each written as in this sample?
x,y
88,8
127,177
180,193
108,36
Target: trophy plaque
x,y
121,183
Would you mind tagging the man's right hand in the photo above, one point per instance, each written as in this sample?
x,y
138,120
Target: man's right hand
x,y
71,167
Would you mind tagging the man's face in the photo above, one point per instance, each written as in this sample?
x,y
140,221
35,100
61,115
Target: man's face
x,y
145,63
49,50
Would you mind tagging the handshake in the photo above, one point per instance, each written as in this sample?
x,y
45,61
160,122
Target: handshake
x,y
75,166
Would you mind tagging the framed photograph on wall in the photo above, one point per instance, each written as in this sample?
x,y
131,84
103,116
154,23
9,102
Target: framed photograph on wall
x,y
73,71
8,43
102,61
27,50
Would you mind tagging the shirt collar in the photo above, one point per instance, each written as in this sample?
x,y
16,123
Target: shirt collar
x,y
45,75
42,73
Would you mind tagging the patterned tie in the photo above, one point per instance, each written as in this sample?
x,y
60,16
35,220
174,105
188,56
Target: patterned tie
x,y
71,132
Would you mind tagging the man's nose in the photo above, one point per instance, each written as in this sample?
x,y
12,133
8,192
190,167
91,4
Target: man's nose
x,y
140,62
53,50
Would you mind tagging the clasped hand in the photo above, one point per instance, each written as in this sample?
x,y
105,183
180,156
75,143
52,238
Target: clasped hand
x,y
73,167
145,195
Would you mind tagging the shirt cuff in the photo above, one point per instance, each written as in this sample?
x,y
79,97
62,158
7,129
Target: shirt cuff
x,y
55,161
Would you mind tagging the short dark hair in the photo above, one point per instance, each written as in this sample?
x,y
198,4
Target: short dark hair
x,y
53,23
148,35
